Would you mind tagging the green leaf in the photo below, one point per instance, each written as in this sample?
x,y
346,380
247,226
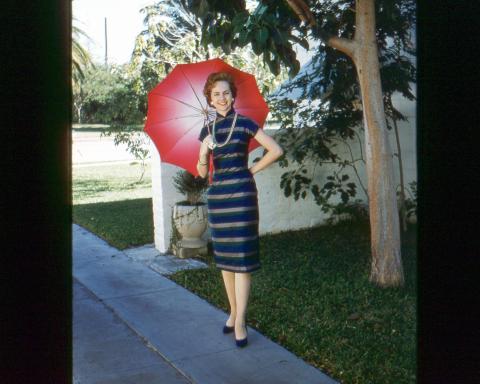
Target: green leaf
x,y
262,36
288,190
302,42
295,68
276,69
260,10
278,37
226,46
239,19
256,48
203,8
329,185
243,38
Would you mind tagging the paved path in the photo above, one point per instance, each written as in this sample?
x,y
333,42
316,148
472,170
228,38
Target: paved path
x,y
134,325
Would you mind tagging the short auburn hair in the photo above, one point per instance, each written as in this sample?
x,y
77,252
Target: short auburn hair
x,y
212,79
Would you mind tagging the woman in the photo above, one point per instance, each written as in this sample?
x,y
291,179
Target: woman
x,y
232,195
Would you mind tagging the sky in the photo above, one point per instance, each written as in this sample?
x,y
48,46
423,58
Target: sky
x,y
124,23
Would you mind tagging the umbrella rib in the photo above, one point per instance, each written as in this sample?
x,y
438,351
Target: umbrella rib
x,y
240,83
178,141
191,86
182,117
182,102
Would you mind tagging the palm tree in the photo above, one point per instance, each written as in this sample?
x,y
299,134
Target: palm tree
x,y
81,59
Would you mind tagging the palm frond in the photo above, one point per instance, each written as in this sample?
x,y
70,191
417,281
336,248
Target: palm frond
x,y
81,58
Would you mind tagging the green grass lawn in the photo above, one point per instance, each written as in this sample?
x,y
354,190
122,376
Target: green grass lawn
x,y
89,128
123,224
111,201
312,294
94,127
110,182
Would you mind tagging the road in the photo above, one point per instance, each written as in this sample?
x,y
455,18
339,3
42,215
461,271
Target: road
x,y
90,148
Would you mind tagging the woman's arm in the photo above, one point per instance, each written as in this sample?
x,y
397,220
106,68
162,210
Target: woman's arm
x,y
274,151
203,157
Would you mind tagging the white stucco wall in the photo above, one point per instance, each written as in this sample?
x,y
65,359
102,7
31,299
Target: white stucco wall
x,y
164,196
278,213
408,137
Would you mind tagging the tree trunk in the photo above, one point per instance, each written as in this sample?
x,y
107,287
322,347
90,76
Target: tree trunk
x,y
78,107
403,211
386,267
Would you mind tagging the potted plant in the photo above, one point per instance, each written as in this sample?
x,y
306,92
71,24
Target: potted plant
x,y
190,215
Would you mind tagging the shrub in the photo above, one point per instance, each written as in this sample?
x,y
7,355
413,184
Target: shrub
x,y
190,186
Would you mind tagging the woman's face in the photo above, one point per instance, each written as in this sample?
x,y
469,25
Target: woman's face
x,y
221,97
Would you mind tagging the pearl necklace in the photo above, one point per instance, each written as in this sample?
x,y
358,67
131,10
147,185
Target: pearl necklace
x,y
214,144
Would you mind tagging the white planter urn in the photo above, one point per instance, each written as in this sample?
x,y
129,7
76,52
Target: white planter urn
x,y
191,222
412,219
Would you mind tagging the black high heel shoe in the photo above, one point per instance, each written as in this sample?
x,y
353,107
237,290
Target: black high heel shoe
x,y
242,342
227,329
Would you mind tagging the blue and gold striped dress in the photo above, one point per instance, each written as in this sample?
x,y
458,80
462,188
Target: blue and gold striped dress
x,y
232,197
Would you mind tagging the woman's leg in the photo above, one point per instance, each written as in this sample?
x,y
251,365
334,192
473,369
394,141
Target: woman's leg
x,y
242,291
229,281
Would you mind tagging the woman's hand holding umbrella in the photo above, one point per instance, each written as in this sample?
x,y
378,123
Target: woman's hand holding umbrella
x,y
202,165
177,110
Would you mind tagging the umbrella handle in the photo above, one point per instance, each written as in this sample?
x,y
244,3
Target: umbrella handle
x,y
210,170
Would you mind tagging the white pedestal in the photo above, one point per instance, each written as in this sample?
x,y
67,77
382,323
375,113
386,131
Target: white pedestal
x,y
164,197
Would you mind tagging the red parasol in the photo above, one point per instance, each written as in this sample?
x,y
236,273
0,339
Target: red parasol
x,y
177,110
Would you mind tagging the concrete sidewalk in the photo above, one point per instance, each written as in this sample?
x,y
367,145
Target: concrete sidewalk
x,y
131,324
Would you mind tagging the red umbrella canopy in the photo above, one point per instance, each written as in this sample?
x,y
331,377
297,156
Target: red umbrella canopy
x,y
177,110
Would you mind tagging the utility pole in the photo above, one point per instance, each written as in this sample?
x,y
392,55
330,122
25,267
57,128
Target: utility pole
x,y
106,47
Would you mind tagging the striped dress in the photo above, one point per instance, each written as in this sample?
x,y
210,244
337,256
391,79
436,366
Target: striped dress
x,y
232,197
